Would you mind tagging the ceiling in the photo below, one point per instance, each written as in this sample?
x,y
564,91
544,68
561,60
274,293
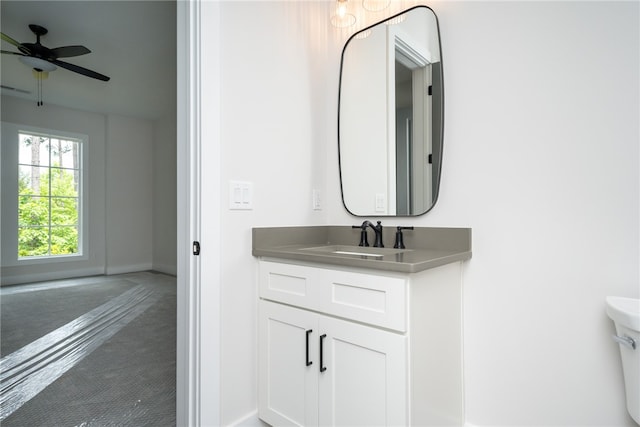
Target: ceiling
x,y
132,42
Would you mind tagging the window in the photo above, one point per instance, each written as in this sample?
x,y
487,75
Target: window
x,y
49,196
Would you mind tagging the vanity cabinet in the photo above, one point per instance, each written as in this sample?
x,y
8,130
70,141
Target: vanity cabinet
x,y
320,370
341,346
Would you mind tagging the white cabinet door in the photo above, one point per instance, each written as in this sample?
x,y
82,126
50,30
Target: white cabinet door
x,y
363,381
319,370
288,376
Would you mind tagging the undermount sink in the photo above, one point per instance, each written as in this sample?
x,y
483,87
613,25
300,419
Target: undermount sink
x,y
354,250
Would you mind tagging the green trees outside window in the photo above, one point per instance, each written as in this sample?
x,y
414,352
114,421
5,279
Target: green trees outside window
x,y
48,196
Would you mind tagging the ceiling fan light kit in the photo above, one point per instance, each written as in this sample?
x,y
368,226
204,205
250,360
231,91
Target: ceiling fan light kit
x,y
43,60
37,63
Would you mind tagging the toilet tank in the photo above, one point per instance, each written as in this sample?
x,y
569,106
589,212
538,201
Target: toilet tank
x,y
625,312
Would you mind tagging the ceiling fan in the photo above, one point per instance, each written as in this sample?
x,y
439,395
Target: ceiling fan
x,y
43,59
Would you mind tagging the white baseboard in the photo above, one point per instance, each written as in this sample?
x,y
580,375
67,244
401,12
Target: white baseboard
x,y
121,269
249,420
166,269
81,272
50,275
252,420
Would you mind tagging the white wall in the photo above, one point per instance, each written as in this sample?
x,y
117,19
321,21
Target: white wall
x,y
122,214
164,197
273,115
278,111
541,160
129,166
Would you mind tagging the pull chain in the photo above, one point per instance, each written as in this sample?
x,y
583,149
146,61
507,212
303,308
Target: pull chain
x,y
39,76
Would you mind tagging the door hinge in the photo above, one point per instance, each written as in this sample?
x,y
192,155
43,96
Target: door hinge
x,y
430,159
430,90
196,248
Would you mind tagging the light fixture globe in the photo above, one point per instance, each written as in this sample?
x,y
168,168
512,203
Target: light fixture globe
x,y
37,63
343,21
341,18
375,5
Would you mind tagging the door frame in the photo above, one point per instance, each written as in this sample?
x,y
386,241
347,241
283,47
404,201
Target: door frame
x,y
198,353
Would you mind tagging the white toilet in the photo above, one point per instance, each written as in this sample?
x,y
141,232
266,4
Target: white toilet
x,y
625,312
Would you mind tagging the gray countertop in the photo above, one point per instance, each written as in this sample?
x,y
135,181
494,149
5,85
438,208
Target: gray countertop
x,y
426,247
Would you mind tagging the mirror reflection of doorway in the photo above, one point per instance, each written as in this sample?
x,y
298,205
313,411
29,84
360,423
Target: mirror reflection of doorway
x,y
404,118
413,140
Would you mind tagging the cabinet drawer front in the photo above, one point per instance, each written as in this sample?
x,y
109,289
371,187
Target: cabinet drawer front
x,y
373,299
288,283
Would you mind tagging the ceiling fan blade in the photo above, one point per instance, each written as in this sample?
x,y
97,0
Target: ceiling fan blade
x,y
80,70
9,40
69,51
12,53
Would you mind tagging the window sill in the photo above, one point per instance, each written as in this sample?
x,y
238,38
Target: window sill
x,y
49,259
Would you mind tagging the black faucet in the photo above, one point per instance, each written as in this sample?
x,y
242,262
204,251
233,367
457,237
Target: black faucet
x,y
363,234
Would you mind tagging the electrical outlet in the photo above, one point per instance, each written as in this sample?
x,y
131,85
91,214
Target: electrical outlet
x,y
316,201
381,202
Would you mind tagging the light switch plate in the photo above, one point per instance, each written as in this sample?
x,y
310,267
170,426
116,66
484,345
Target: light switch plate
x,y
240,195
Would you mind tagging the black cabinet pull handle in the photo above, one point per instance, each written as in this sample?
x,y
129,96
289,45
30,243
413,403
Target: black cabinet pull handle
x,y
322,367
307,361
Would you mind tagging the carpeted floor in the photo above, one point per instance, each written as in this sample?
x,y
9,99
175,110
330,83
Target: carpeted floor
x,y
96,351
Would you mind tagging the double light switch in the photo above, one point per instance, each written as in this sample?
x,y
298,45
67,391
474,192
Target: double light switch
x,y
240,195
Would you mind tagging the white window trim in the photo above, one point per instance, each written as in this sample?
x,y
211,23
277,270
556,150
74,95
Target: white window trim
x,y
10,144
